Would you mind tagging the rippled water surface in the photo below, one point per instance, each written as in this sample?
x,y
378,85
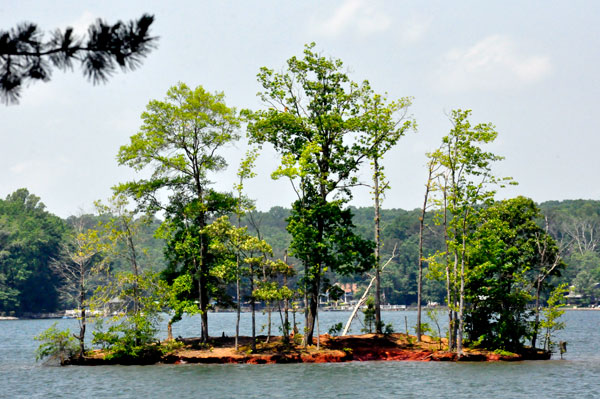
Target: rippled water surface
x,y
578,376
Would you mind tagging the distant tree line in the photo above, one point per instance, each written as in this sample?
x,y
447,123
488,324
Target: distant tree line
x,y
30,237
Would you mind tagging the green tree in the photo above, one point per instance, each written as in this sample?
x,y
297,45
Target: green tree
x,y
549,264
270,290
503,252
131,332
177,298
232,247
25,56
467,182
56,344
135,287
81,261
587,285
314,121
432,167
244,172
552,314
30,237
384,124
180,143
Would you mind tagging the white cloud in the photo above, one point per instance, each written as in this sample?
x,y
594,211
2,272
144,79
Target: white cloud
x,y
359,16
495,62
414,28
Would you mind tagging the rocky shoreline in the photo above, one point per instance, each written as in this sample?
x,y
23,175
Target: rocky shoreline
x,y
368,347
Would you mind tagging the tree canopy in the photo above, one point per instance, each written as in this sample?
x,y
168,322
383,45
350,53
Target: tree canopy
x,y
179,143
504,252
315,121
30,238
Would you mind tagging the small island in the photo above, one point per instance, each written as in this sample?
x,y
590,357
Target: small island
x,y
366,347
492,265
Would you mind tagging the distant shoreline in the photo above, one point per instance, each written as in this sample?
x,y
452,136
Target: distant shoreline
x,y
62,316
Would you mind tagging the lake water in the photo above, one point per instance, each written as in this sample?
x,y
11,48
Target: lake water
x,y
578,376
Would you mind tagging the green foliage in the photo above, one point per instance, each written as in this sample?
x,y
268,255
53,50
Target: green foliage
x,y
176,297
369,316
434,315
128,337
503,250
180,142
388,329
552,314
315,124
170,346
586,283
425,329
323,235
503,352
56,344
335,329
135,301
30,238
465,184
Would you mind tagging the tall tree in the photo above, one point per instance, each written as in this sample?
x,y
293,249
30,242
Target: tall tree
x,y
504,257
180,142
121,231
314,122
432,167
384,123
245,171
468,184
25,56
549,263
233,246
81,261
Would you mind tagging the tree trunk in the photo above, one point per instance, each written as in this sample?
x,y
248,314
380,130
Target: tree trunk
x,y
361,301
136,294
365,294
461,308
239,306
203,297
305,304
378,322
286,304
420,273
449,296
318,333
269,311
536,324
253,307
82,322
314,306
286,322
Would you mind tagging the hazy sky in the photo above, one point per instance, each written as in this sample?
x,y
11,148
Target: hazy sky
x,y
529,67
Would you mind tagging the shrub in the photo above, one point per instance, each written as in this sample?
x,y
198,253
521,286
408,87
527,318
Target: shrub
x,y
335,329
130,337
56,344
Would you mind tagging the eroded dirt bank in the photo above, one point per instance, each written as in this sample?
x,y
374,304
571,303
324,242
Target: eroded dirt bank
x,y
392,347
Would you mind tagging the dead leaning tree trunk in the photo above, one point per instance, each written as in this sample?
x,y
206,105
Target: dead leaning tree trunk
x,y
366,294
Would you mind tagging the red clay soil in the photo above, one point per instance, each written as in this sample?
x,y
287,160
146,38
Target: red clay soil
x,y
392,347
